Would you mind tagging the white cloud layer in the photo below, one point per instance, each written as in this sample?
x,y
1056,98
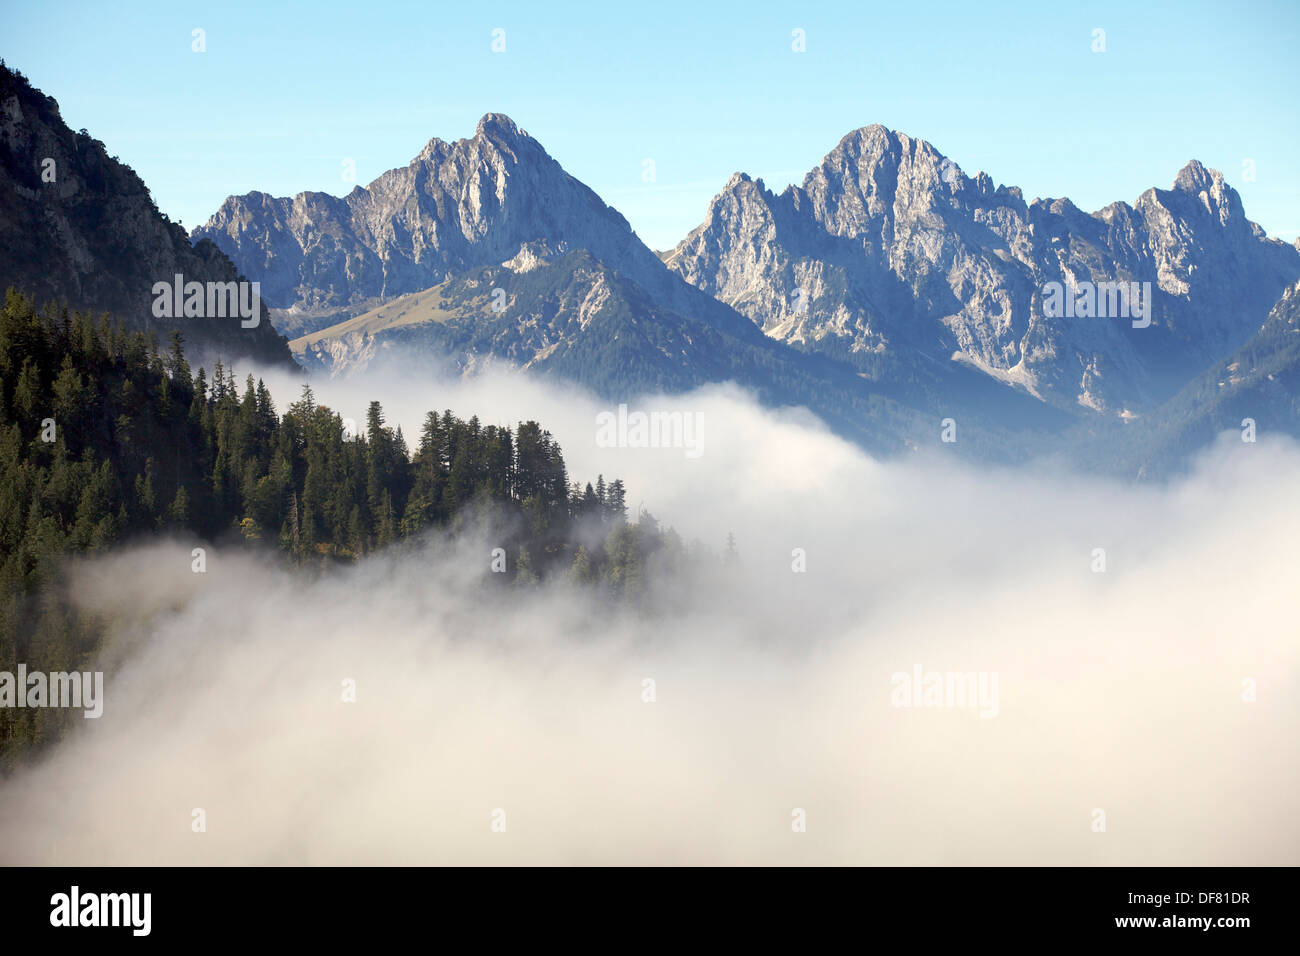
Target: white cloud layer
x,y
1119,691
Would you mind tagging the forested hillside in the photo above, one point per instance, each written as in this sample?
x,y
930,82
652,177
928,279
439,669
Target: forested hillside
x,y
105,439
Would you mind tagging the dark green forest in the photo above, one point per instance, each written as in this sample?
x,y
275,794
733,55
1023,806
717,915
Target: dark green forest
x,y
106,438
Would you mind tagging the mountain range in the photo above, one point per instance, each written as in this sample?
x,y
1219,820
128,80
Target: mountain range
x,y
887,291
896,250
888,271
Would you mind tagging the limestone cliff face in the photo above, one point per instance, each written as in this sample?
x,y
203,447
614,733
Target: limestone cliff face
x,y
78,226
888,247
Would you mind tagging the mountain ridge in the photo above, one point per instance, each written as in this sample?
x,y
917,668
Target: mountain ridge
x,y
890,242
80,227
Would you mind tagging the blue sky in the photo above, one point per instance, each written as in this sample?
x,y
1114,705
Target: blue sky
x,y
286,92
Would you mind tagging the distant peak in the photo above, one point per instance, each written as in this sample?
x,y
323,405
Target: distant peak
x,y
868,134
873,129
877,140
499,124
1194,177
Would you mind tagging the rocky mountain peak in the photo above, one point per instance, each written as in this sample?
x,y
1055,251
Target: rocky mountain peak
x,y
1210,190
499,125
857,153
1194,177
875,139
457,207
495,133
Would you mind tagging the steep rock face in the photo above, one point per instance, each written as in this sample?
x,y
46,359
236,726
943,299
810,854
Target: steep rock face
x,y
888,247
80,227
455,207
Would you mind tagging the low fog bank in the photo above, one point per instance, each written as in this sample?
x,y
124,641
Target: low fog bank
x,y
1122,691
